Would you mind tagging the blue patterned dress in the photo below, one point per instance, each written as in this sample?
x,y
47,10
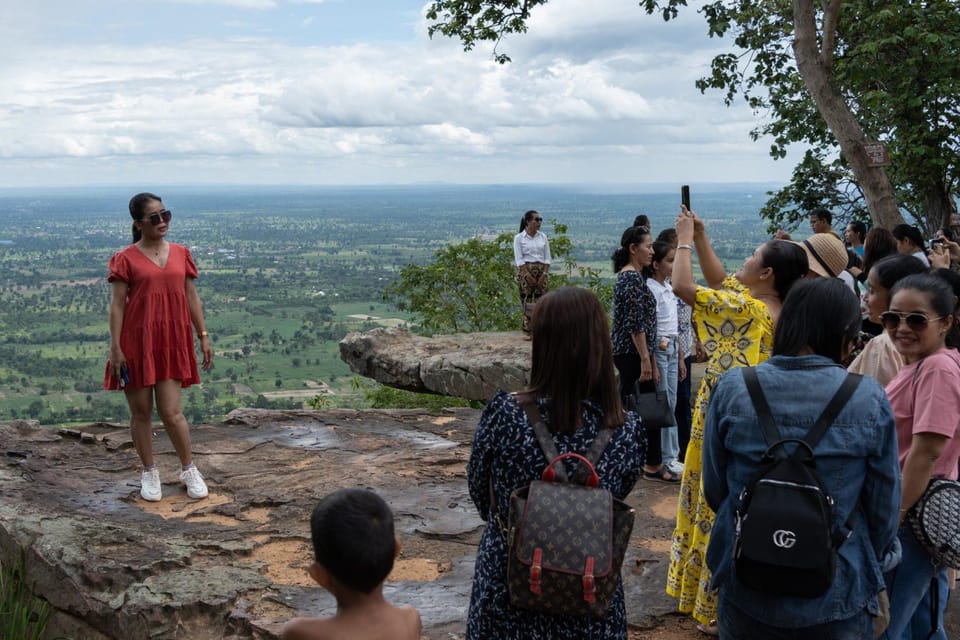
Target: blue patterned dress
x,y
506,452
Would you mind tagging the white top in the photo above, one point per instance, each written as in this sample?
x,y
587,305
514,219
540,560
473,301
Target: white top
x,y
920,255
531,249
849,280
667,321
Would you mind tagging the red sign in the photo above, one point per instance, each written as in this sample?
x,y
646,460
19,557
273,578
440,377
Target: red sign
x,y
877,155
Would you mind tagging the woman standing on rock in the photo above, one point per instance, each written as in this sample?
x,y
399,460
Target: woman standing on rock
x,y
572,383
153,306
735,318
531,254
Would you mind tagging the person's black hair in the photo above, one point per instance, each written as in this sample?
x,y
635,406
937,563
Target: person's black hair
x,y
858,228
911,233
353,538
137,203
668,235
789,263
953,279
892,269
938,290
526,218
947,233
820,314
660,251
822,213
878,244
642,221
621,255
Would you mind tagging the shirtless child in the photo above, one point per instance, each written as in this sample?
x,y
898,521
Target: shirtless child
x,y
355,546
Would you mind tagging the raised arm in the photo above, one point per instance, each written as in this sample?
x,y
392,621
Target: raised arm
x,y
710,264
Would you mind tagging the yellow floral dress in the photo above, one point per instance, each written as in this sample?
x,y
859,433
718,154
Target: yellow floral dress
x,y
737,331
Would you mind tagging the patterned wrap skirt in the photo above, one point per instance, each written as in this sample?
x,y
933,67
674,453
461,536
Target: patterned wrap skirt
x,y
532,281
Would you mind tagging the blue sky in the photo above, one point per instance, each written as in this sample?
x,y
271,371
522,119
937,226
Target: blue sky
x,y
157,92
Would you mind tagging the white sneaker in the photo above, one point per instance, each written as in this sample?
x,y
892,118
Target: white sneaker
x,y
150,488
196,487
676,467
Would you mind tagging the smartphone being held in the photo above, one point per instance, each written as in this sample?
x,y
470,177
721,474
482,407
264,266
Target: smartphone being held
x,y
685,196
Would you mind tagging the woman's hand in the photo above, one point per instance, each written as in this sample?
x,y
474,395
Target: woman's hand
x,y
117,360
685,226
656,372
207,352
646,368
939,257
682,374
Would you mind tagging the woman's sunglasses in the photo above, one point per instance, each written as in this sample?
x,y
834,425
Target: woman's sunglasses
x,y
915,321
160,216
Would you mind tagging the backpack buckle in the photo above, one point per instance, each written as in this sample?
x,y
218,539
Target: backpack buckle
x,y
589,586
536,569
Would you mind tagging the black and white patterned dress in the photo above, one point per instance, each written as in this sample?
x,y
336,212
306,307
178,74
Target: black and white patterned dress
x,y
506,452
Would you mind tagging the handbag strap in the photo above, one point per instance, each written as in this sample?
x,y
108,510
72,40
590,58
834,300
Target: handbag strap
x,y
549,448
771,432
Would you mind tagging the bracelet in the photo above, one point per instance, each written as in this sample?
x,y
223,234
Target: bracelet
x,y
685,246
204,334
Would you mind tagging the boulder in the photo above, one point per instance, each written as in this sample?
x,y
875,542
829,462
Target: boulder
x,y
463,365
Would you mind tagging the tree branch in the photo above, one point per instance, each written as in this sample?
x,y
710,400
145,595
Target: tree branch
x,y
831,14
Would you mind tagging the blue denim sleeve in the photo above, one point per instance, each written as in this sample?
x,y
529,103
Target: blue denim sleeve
x,y
714,473
881,487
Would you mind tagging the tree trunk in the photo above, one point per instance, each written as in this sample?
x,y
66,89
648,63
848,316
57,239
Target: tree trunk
x,y
940,206
817,77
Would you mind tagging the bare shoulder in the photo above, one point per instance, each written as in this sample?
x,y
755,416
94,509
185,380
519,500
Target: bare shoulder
x,y
411,622
307,629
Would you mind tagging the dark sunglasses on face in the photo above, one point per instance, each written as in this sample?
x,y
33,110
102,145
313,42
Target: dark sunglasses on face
x,y
915,321
156,218
538,219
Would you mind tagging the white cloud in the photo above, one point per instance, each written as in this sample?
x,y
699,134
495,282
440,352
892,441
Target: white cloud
x,y
597,90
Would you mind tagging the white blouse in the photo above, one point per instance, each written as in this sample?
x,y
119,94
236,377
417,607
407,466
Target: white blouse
x,y
531,249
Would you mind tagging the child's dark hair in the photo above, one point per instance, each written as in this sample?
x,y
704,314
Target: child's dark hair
x,y
621,255
353,538
660,251
137,203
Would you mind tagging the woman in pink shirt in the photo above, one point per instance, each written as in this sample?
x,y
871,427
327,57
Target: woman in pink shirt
x,y
925,397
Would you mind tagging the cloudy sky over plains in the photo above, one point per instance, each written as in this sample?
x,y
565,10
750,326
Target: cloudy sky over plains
x,y
354,92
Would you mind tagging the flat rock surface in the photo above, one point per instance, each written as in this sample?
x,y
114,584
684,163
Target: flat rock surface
x,y
464,365
234,565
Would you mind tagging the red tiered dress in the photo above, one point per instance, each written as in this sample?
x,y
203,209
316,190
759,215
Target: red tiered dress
x,y
157,335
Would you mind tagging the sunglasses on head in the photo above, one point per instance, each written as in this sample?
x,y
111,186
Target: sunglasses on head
x,y
916,321
158,217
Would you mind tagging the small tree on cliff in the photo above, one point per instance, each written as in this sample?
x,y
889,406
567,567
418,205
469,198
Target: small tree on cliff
x,y
471,286
831,74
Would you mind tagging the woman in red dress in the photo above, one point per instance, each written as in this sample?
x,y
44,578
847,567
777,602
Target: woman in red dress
x,y
152,355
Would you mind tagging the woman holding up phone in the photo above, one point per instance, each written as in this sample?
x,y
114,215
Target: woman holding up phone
x,y
154,303
735,320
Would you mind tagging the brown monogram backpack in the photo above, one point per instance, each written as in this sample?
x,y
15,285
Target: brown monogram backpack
x,y
566,537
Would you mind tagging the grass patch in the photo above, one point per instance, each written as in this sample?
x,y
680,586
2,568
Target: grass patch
x,y
22,615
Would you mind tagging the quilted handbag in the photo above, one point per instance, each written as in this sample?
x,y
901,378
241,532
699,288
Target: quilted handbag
x,y
566,538
652,406
935,520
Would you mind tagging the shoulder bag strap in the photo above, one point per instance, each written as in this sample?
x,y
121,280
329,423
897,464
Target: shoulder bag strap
x,y
832,409
544,437
770,431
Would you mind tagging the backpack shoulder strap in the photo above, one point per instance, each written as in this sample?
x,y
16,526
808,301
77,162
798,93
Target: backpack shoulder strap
x,y
833,408
593,454
770,431
544,438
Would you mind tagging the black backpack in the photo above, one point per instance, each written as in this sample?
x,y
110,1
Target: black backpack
x,y
785,543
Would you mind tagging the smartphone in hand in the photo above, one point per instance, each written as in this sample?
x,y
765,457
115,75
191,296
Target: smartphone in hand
x,y
685,196
124,376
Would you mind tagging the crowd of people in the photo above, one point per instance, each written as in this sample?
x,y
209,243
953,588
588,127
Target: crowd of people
x,y
799,318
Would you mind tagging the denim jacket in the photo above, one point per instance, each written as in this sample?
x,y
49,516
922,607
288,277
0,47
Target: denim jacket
x,y
856,459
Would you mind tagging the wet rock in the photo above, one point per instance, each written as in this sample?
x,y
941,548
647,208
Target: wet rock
x,y
466,365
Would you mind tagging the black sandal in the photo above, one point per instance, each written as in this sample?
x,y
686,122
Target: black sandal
x,y
662,475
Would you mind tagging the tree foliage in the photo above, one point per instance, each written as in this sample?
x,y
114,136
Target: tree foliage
x,y
892,65
471,286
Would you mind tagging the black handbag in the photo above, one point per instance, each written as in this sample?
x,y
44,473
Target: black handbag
x,y
651,405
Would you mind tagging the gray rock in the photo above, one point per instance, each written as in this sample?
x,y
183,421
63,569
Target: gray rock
x,y
466,365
